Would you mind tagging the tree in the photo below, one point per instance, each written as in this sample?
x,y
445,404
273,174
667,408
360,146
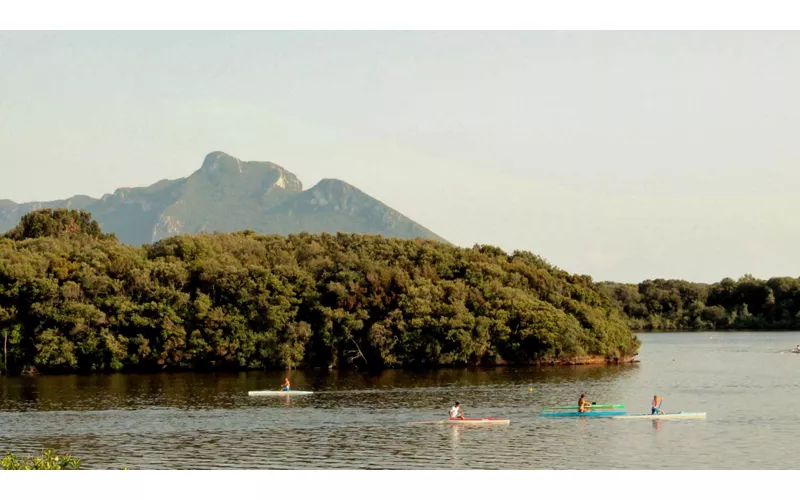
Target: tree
x,y
53,223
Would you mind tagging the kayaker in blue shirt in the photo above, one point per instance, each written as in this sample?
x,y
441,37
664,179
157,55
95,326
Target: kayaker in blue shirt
x,y
657,405
455,412
285,386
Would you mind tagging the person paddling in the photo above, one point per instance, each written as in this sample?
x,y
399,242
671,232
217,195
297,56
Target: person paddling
x,y
583,405
455,412
285,386
657,405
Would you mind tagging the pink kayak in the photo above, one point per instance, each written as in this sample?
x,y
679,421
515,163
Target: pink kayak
x,y
468,421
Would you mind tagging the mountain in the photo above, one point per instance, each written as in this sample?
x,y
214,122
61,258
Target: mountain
x,y
226,195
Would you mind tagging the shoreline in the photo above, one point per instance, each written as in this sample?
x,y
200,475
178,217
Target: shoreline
x,y
589,360
561,362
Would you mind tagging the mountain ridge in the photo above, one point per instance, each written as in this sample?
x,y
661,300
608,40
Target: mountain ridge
x,y
227,194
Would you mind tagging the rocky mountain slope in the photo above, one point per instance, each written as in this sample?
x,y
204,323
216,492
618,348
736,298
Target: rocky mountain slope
x,y
227,194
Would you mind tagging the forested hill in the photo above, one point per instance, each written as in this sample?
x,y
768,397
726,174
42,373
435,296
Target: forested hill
x,y
74,299
747,304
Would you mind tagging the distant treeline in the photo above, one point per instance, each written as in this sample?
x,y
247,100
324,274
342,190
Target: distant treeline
x,y
746,304
74,299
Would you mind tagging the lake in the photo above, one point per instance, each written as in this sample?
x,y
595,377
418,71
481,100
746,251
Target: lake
x,y
748,383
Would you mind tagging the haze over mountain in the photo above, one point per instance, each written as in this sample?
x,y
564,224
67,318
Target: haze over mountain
x,y
227,194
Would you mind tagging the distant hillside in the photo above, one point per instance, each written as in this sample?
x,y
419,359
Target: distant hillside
x,y
226,195
745,304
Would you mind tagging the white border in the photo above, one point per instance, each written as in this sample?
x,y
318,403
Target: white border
x,y
401,485
409,14
398,14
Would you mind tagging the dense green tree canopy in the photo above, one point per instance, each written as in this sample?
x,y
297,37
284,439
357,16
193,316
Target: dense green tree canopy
x,y
748,304
76,300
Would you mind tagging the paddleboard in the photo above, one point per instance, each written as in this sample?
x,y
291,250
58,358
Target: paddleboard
x,y
665,416
278,393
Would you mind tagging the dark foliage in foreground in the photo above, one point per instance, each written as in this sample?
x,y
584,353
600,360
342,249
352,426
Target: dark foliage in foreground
x,y
47,461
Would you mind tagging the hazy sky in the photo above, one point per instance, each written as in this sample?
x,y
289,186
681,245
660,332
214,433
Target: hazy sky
x,y
626,156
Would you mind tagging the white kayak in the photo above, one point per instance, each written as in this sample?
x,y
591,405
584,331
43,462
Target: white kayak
x,y
278,393
469,421
664,416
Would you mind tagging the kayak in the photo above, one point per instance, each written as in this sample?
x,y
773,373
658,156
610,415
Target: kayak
x,y
666,416
469,421
594,414
278,393
575,407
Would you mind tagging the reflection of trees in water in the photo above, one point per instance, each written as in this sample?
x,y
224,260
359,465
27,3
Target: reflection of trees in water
x,y
583,372
99,392
226,390
408,378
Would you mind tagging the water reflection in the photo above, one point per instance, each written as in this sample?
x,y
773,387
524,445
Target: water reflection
x,y
356,420
225,390
455,434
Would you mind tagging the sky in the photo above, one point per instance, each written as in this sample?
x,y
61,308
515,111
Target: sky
x,y
623,155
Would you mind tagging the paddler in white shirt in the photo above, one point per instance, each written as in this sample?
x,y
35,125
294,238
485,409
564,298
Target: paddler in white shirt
x,y
455,412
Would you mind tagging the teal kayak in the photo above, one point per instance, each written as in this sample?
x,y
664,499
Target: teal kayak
x,y
575,407
594,414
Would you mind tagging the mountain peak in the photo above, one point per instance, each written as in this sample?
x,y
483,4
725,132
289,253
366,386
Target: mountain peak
x,y
335,194
223,162
354,210
227,194
332,185
252,176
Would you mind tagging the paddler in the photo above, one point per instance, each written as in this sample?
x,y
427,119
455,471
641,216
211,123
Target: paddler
x,y
583,405
455,412
285,386
657,405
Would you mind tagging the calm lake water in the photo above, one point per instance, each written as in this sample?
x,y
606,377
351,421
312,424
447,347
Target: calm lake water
x,y
747,382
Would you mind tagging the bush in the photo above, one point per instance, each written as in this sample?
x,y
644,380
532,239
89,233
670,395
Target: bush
x,y
47,461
